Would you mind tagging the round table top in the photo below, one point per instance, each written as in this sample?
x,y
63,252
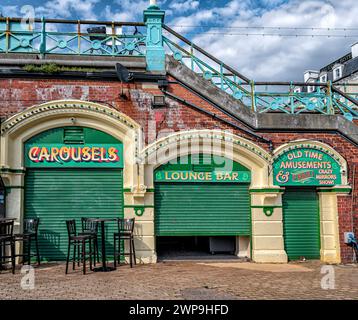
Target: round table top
x,y
7,219
103,219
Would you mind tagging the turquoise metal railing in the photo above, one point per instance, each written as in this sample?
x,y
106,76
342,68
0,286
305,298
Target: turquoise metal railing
x,y
289,97
56,36
150,39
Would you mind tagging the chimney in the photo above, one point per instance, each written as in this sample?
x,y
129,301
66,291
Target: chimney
x,y
354,49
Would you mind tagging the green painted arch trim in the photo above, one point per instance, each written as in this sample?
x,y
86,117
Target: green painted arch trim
x,y
9,188
8,170
267,190
14,187
262,207
335,190
139,205
267,210
138,209
129,190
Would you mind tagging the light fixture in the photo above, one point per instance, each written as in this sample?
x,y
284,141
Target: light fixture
x,y
158,101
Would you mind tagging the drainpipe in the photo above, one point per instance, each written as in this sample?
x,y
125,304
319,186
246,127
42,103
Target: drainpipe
x,y
2,185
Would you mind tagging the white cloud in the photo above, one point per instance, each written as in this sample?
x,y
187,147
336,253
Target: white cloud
x,y
125,10
77,9
274,58
9,11
184,5
258,57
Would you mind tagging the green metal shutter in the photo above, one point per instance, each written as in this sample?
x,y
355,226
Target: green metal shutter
x,y
56,195
189,209
301,223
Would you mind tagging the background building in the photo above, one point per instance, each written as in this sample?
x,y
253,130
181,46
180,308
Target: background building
x,y
341,72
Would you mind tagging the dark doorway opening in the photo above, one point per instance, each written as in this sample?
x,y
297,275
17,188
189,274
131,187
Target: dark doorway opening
x,y
2,198
192,247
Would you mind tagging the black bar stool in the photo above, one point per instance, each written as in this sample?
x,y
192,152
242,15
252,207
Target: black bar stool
x,y
7,240
90,228
29,236
78,242
125,232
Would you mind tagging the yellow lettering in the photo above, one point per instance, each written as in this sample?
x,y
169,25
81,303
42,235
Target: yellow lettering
x,y
86,156
95,153
33,154
219,176
54,153
175,176
113,154
44,154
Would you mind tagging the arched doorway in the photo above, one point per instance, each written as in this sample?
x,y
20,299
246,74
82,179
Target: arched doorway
x,y
312,174
71,172
202,206
22,127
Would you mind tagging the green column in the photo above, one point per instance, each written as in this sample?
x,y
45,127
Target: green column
x,y
155,55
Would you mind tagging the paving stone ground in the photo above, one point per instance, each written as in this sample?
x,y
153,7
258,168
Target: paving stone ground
x,y
187,280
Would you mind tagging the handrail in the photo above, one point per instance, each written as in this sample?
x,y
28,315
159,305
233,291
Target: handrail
x,y
207,54
95,22
325,98
340,92
61,39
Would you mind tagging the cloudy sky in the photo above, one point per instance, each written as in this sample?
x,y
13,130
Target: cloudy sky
x,y
221,28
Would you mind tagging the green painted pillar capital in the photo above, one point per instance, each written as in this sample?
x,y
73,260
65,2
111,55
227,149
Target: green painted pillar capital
x,y
155,53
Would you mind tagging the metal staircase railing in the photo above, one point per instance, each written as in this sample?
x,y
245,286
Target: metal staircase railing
x,y
284,97
150,39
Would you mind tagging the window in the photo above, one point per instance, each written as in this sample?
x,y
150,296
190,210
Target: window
x,y
337,73
323,78
310,89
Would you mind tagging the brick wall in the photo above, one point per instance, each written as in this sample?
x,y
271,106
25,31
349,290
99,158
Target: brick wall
x,y
18,94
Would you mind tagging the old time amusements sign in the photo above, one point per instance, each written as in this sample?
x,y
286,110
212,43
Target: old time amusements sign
x,y
306,167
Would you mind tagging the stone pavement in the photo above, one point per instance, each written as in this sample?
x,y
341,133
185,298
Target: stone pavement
x,y
186,280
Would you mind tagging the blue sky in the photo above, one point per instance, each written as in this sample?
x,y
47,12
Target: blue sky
x,y
214,25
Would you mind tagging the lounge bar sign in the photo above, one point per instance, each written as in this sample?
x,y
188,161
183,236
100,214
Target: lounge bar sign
x,y
306,167
69,156
198,176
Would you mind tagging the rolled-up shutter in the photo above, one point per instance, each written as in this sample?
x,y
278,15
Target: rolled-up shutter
x,y
210,209
301,223
57,195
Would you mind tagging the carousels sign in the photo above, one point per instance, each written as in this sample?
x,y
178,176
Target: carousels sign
x,y
90,156
306,167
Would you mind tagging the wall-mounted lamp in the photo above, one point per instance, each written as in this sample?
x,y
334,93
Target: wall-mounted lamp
x,y
158,101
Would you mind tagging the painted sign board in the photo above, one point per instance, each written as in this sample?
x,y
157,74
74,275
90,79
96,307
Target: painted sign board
x,y
306,167
198,176
70,156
